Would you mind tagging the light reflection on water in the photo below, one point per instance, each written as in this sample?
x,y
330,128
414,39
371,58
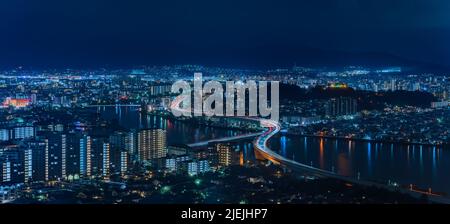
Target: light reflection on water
x,y
423,166
177,132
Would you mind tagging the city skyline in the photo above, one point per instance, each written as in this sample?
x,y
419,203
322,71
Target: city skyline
x,y
224,110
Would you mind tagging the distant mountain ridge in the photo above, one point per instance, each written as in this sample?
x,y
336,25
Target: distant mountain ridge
x,y
310,57
250,57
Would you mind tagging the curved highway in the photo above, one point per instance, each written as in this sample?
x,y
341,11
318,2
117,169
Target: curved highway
x,y
175,106
261,147
260,144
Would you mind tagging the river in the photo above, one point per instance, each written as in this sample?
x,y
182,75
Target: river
x,y
423,166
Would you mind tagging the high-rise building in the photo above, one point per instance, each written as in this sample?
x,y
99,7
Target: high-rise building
x,y
195,167
173,162
227,155
35,155
4,134
28,165
85,157
75,150
106,161
341,106
23,132
100,157
121,143
131,144
5,171
55,156
123,162
12,165
152,144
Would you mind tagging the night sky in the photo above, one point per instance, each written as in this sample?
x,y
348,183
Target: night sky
x,y
241,33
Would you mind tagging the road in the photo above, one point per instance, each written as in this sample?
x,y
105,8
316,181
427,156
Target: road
x,y
261,142
261,145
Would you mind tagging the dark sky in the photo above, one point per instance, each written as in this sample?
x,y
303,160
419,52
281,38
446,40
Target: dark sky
x,y
57,33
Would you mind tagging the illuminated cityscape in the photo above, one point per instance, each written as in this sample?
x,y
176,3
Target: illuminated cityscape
x,y
115,128
223,110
